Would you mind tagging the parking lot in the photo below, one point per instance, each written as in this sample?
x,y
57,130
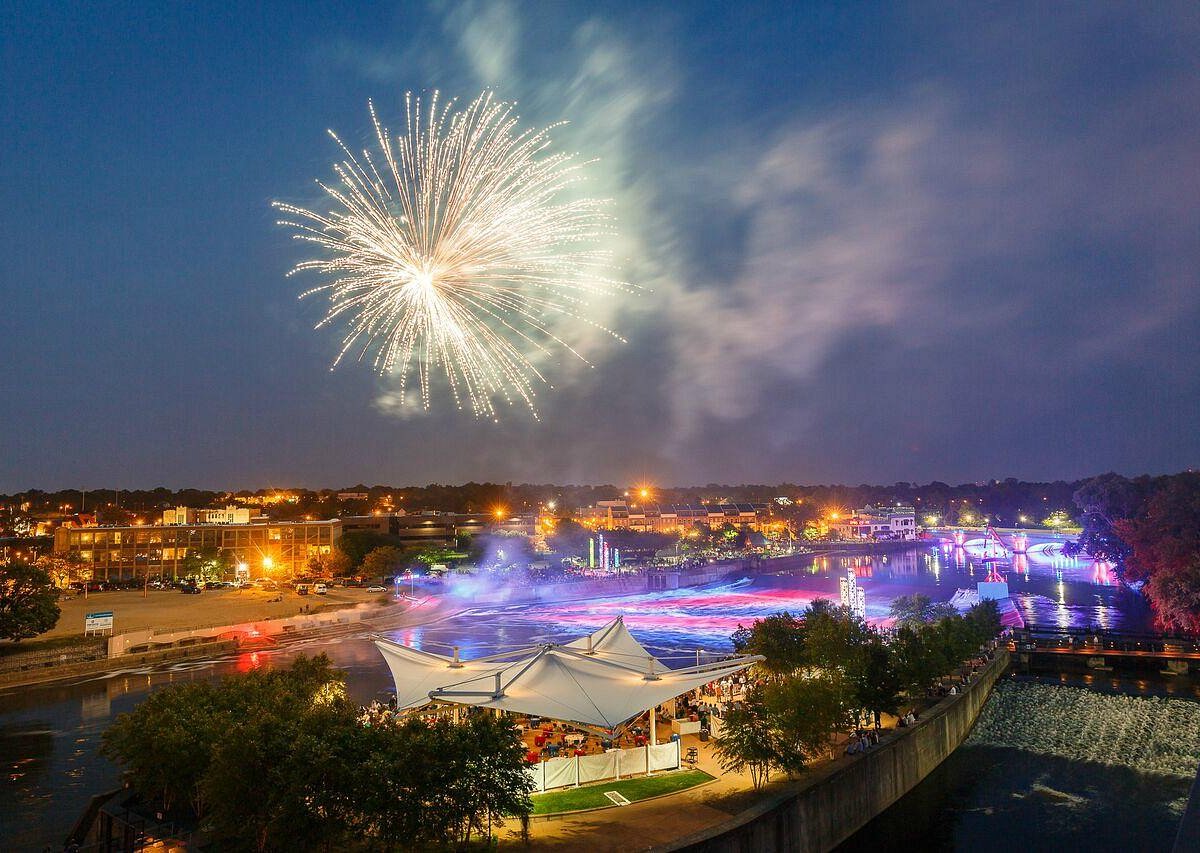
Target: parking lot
x,y
171,609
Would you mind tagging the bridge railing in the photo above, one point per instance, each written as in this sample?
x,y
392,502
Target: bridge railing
x,y
1082,639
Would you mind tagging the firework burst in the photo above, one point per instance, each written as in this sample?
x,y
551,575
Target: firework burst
x,y
454,248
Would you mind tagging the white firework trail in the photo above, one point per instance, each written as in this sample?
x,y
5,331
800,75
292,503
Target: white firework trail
x,y
453,247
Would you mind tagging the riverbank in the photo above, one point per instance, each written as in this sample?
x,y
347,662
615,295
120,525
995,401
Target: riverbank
x,y
164,610
148,647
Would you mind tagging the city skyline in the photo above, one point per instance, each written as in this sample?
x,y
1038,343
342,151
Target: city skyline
x,y
909,244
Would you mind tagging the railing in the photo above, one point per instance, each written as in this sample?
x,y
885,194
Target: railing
x,y
1093,642
78,653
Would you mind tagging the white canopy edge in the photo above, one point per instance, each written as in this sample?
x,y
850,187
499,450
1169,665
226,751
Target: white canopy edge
x,y
603,680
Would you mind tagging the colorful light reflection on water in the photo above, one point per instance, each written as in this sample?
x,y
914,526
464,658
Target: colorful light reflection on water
x,y
1048,588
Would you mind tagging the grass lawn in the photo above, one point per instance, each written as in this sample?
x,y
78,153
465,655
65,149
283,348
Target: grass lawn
x,y
592,796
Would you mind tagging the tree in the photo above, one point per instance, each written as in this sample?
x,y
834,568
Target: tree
x,y
919,657
383,561
28,601
272,760
1175,592
983,622
335,564
1102,502
358,543
1058,519
1164,547
278,777
208,564
746,741
804,710
778,637
569,537
490,783
918,608
878,688
835,638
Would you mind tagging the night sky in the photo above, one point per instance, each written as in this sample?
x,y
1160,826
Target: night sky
x,y
876,242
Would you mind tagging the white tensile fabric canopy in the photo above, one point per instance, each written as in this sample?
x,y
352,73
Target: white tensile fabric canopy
x,y
605,679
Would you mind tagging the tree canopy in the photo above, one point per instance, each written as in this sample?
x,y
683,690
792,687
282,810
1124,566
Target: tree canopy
x,y
280,760
825,666
28,601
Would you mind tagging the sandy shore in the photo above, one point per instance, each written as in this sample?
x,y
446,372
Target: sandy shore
x,y
171,610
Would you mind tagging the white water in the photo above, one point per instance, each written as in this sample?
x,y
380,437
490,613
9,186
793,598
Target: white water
x,y
1146,734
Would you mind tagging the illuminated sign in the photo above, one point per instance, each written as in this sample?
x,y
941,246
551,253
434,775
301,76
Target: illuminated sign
x,y
94,623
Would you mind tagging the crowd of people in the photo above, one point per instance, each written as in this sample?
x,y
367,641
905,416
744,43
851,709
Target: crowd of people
x,y
377,713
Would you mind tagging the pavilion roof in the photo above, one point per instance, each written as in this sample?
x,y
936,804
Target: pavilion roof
x,y
604,679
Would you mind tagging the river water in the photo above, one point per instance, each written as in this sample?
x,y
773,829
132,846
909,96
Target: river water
x,y
1055,767
49,735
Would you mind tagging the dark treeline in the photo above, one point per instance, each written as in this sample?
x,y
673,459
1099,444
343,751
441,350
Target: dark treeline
x,y
1003,501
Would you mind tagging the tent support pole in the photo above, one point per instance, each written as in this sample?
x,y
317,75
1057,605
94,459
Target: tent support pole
x,y
653,737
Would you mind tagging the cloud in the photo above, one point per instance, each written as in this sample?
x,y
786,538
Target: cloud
x,y
487,35
981,222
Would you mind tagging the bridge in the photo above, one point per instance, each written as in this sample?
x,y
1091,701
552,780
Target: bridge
x,y
1100,649
1011,540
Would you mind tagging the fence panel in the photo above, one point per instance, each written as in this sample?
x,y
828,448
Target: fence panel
x,y
560,772
633,761
665,756
593,768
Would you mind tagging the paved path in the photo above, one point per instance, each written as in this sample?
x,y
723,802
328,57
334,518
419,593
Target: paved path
x,y
652,823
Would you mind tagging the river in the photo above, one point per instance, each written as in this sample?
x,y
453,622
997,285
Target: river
x,y
50,735
1050,766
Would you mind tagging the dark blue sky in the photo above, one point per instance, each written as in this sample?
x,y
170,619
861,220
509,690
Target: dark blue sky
x,y
878,243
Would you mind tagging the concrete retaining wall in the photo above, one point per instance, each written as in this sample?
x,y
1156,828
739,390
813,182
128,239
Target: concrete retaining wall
x,y
73,670
842,798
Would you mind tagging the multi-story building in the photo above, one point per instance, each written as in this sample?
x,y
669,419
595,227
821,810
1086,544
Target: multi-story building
x,y
437,529
889,522
669,518
228,515
266,548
